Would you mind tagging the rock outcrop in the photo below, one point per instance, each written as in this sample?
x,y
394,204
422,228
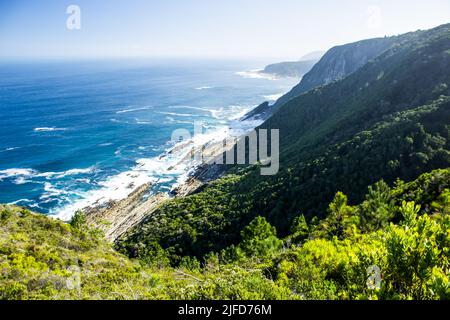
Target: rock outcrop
x,y
116,217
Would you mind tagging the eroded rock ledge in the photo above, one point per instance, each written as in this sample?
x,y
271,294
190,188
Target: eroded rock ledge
x,y
116,217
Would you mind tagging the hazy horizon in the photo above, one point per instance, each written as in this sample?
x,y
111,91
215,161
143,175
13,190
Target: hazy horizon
x,y
245,29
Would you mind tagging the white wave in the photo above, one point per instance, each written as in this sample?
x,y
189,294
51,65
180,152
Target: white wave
x,y
237,112
216,113
73,172
83,180
10,149
120,121
274,97
203,88
230,113
48,129
22,201
256,74
172,120
21,180
133,109
115,188
176,114
138,121
179,107
189,107
14,172
50,192
31,173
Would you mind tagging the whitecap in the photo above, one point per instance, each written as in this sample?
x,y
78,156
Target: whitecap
x,y
50,192
48,129
203,88
274,97
21,180
256,74
188,107
22,201
10,149
133,109
73,172
13,172
172,120
115,188
31,173
177,114
138,121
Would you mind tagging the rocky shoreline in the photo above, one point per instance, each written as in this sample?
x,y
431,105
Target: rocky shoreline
x,y
114,218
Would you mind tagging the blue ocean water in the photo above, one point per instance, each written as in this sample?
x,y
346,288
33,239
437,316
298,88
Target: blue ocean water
x,y
79,133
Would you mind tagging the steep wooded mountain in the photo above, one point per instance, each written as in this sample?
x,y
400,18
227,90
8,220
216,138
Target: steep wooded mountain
x,y
339,62
389,119
336,64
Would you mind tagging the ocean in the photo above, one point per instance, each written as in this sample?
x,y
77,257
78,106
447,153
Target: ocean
x,y
76,134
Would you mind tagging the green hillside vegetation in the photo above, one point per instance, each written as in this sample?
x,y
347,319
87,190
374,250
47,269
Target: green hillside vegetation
x,y
42,258
401,231
387,120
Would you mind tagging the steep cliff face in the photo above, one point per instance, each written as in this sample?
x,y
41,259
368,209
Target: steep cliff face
x,y
338,63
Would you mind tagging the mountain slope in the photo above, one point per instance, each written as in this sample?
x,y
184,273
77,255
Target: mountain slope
x,y
42,258
389,119
335,64
341,61
406,225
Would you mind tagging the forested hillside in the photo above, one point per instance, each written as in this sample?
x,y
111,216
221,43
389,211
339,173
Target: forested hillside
x,y
339,62
393,245
387,120
336,64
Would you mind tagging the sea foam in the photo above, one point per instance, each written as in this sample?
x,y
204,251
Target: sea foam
x,y
48,129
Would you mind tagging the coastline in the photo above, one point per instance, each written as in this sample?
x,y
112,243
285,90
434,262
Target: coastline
x,y
116,217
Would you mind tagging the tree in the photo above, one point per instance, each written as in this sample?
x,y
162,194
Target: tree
x,y
78,220
299,229
413,253
259,239
377,210
341,218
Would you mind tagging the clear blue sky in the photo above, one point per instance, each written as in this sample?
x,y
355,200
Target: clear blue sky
x,y
279,29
